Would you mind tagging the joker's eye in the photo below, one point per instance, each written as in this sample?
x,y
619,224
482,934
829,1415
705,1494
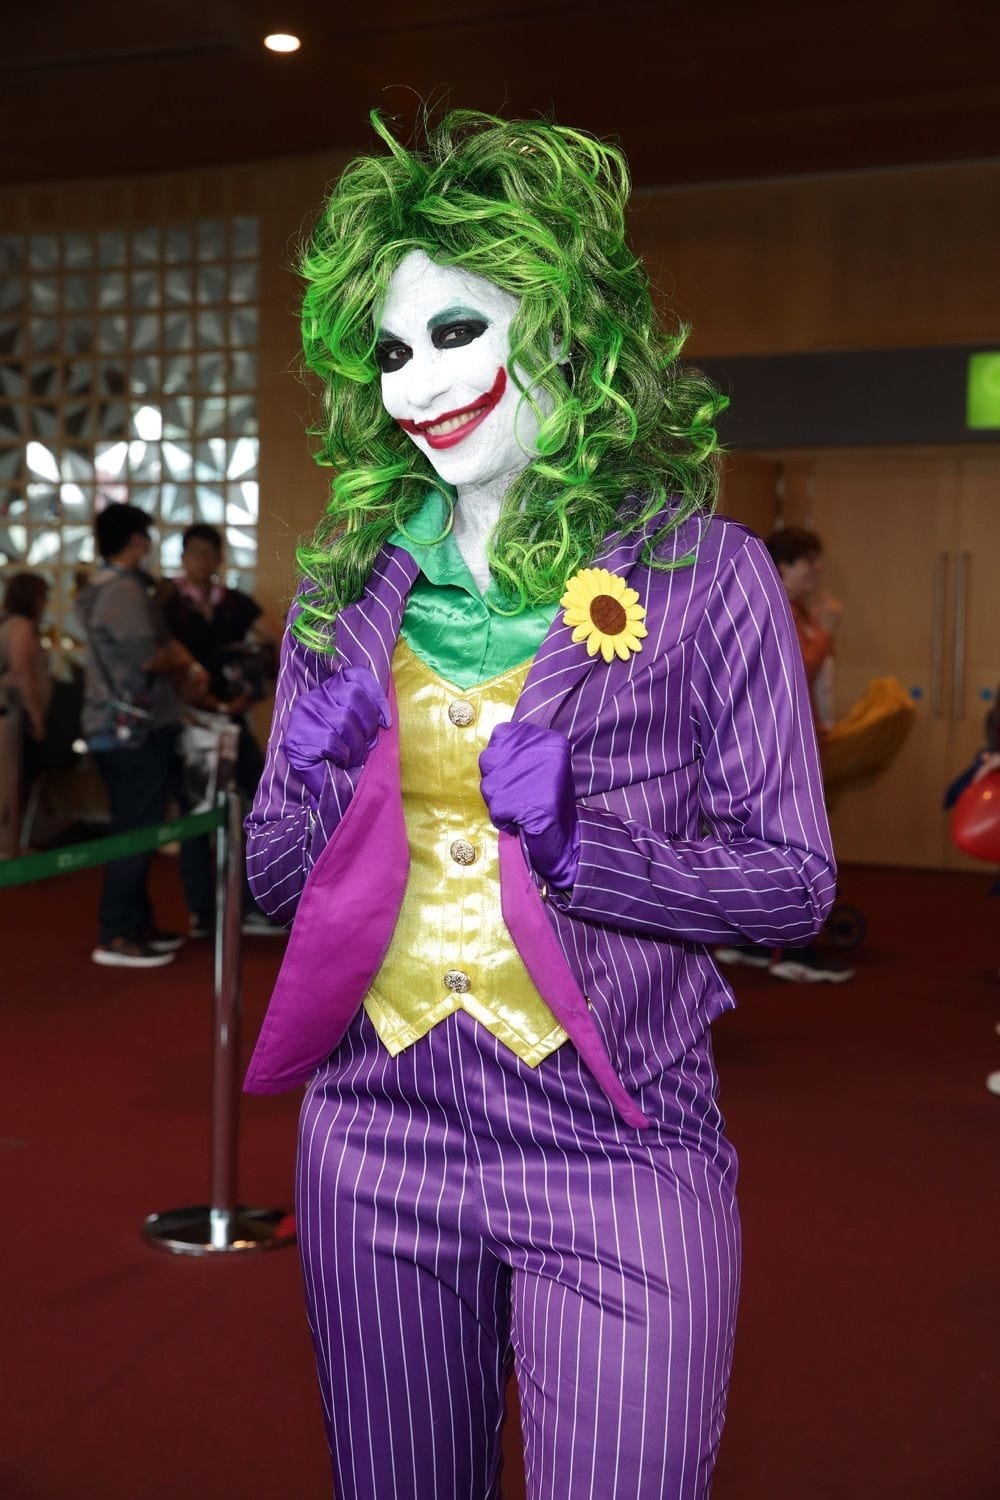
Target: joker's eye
x,y
392,354
462,331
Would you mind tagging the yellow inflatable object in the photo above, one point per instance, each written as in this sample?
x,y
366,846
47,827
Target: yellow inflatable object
x,y
867,739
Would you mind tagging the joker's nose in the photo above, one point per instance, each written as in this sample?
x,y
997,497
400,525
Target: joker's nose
x,y
427,382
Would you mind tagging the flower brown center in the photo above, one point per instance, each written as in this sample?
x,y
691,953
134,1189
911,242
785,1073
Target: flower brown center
x,y
608,614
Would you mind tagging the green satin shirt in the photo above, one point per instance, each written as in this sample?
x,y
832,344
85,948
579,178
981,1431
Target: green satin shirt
x,y
448,623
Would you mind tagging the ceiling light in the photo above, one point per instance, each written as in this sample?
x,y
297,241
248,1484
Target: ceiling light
x,y
282,41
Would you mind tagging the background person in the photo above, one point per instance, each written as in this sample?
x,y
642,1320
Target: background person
x,y
797,553
24,663
228,632
798,556
989,764
131,714
985,763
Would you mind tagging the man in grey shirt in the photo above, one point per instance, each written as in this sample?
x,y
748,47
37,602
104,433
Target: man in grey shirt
x,y
131,714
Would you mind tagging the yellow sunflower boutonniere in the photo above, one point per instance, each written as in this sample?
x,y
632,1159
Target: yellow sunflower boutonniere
x,y
605,613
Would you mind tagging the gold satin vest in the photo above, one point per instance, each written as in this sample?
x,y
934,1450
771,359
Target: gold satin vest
x,y
451,949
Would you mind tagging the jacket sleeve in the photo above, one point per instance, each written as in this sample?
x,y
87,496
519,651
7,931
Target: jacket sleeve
x,y
762,870
286,828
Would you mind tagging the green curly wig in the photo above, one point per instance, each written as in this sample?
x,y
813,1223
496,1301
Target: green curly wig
x,y
538,210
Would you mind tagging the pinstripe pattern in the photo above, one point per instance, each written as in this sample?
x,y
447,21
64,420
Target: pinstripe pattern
x,y
457,1208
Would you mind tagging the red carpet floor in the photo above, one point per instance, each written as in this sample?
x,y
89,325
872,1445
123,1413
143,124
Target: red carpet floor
x,y
867,1350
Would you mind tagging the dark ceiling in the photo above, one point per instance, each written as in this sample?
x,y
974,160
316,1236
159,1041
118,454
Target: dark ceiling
x,y
694,92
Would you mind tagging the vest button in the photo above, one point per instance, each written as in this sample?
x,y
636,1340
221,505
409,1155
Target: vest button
x,y
461,713
462,852
458,981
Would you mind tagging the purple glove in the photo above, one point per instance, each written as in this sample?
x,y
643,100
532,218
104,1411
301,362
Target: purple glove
x,y
528,789
337,721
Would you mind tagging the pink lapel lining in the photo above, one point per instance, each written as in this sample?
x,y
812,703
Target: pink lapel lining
x,y
346,917
528,924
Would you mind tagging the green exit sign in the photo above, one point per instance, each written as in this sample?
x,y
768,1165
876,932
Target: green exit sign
x,y
982,390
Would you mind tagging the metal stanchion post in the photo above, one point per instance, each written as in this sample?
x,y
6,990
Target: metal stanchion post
x,y
224,1226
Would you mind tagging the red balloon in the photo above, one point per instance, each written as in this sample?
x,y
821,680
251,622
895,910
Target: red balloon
x,y
975,819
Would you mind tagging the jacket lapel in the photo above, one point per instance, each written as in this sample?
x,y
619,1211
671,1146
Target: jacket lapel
x,y
366,632
561,666
562,670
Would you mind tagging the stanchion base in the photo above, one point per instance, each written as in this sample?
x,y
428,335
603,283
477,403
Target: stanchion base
x,y
209,1231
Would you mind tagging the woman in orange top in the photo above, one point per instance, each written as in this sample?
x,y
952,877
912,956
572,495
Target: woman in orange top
x,y
798,557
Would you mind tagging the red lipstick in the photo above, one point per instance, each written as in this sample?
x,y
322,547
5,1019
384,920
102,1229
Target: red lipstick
x,y
476,412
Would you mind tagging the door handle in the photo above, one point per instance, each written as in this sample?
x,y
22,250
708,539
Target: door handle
x,y
958,655
937,635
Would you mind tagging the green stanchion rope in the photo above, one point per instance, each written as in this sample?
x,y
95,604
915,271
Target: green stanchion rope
x,y
99,851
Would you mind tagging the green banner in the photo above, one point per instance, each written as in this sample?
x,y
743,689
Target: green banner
x,y
99,851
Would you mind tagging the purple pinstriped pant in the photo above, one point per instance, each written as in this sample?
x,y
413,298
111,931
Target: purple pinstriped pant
x,y
458,1210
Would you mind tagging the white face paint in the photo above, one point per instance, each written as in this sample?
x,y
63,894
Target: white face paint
x,y
443,349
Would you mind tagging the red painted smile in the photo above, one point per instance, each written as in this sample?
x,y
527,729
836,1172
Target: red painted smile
x,y
452,426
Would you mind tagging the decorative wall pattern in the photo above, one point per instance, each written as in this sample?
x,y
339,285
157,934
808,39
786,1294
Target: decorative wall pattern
x,y
128,371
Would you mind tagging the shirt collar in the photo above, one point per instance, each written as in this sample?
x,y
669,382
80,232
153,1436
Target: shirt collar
x,y
428,540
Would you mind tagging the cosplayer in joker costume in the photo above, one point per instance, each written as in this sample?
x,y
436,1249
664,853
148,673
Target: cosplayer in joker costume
x,y
542,735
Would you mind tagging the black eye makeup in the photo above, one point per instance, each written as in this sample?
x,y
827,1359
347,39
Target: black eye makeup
x,y
456,334
392,354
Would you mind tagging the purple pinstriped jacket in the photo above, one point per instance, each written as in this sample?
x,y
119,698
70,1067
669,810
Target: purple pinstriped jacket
x,y
701,811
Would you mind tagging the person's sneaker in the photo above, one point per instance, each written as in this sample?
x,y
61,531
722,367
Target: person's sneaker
x,y
130,953
201,926
993,1082
162,941
752,956
257,924
809,968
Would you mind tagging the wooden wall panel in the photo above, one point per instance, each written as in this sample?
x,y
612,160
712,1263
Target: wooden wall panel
x,y
866,260
749,489
293,489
